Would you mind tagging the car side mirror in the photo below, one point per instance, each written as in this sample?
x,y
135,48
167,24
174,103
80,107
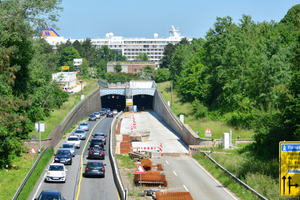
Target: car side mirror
x,y
88,148
66,170
104,164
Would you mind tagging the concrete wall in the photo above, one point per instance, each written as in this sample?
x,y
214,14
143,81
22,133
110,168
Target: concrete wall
x,y
83,109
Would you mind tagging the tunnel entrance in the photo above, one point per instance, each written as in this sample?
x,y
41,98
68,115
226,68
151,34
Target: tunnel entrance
x,y
143,102
113,102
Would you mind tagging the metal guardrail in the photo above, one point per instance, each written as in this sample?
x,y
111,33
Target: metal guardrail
x,y
28,175
112,159
235,178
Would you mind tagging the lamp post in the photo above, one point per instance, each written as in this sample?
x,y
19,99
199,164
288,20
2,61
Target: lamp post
x,y
81,86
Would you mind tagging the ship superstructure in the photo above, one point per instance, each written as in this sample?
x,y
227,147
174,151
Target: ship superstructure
x,y
129,47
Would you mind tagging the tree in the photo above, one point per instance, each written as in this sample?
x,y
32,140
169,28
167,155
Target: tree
x,y
118,68
146,73
67,55
142,57
161,75
168,54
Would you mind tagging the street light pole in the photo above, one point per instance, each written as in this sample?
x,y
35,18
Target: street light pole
x,y
81,86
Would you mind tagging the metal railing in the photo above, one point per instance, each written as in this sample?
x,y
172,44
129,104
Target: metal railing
x,y
28,175
235,178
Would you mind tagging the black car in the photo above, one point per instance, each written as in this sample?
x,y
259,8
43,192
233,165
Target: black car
x,y
107,110
96,153
110,114
51,195
100,135
102,111
97,142
92,117
94,168
63,156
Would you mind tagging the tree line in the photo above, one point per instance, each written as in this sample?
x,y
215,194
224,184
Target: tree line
x,y
245,74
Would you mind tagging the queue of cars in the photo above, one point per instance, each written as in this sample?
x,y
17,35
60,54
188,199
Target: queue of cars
x,y
56,172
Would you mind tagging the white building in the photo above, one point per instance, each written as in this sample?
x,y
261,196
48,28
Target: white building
x,y
129,47
65,78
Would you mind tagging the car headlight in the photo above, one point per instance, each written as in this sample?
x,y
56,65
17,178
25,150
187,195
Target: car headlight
x,y
67,159
56,159
48,174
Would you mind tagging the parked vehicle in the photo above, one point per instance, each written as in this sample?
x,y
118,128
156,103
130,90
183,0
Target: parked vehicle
x,y
80,133
110,114
115,111
69,146
102,111
95,168
100,135
97,114
75,140
51,195
97,142
63,156
96,153
92,117
56,173
67,89
84,125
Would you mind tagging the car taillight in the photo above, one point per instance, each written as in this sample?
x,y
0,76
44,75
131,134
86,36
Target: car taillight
x,y
94,137
103,169
87,168
90,152
102,153
104,138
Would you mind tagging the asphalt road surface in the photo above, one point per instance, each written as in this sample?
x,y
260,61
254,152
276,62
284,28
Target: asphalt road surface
x,y
77,185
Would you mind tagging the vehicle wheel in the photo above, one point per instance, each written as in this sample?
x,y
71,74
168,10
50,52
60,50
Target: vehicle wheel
x,y
71,163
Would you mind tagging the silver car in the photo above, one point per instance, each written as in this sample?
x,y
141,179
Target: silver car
x,y
97,114
115,111
84,126
80,133
69,146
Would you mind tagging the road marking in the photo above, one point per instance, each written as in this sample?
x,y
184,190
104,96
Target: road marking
x,y
214,179
185,188
81,158
175,173
167,162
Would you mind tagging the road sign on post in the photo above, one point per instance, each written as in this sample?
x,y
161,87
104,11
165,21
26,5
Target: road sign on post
x,y
208,132
289,169
140,169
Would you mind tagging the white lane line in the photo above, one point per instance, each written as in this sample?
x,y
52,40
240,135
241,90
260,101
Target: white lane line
x,y
185,188
35,194
175,173
167,162
215,179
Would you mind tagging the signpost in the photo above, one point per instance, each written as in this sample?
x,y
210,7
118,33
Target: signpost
x,y
208,132
289,168
140,170
32,151
65,67
40,127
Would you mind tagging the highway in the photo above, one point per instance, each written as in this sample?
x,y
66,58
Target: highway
x,y
77,186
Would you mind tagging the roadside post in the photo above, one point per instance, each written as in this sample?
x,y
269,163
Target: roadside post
x,y
40,127
32,151
289,168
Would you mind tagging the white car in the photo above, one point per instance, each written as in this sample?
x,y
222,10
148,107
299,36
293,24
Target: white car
x,y
56,173
75,140
80,133
67,89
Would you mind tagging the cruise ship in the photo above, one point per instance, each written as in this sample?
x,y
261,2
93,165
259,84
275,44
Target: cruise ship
x,y
129,47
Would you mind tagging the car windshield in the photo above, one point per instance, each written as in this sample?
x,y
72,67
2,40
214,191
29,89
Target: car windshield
x,y
79,131
99,134
73,138
83,124
92,115
103,109
68,145
96,149
96,140
56,168
95,164
96,113
62,153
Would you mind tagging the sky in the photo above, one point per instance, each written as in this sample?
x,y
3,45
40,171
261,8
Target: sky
x,y
142,18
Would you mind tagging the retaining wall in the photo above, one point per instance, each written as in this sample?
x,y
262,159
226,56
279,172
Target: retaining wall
x,y
83,109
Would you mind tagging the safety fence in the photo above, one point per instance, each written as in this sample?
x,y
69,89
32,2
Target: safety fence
x,y
231,175
28,175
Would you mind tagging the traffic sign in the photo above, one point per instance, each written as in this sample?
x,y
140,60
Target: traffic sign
x,y
289,169
32,151
208,132
140,169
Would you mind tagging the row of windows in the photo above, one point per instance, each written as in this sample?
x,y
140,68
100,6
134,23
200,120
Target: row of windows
x,y
150,57
159,50
138,54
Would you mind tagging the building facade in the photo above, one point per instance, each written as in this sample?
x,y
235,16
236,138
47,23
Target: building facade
x,y
129,66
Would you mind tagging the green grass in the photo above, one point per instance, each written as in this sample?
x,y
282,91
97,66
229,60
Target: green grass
x,y
59,114
11,180
200,125
126,161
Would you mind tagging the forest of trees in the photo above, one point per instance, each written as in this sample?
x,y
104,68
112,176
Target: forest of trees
x,y
245,74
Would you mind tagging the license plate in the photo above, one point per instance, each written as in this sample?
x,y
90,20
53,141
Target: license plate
x,y
96,153
96,145
95,170
55,178
62,161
